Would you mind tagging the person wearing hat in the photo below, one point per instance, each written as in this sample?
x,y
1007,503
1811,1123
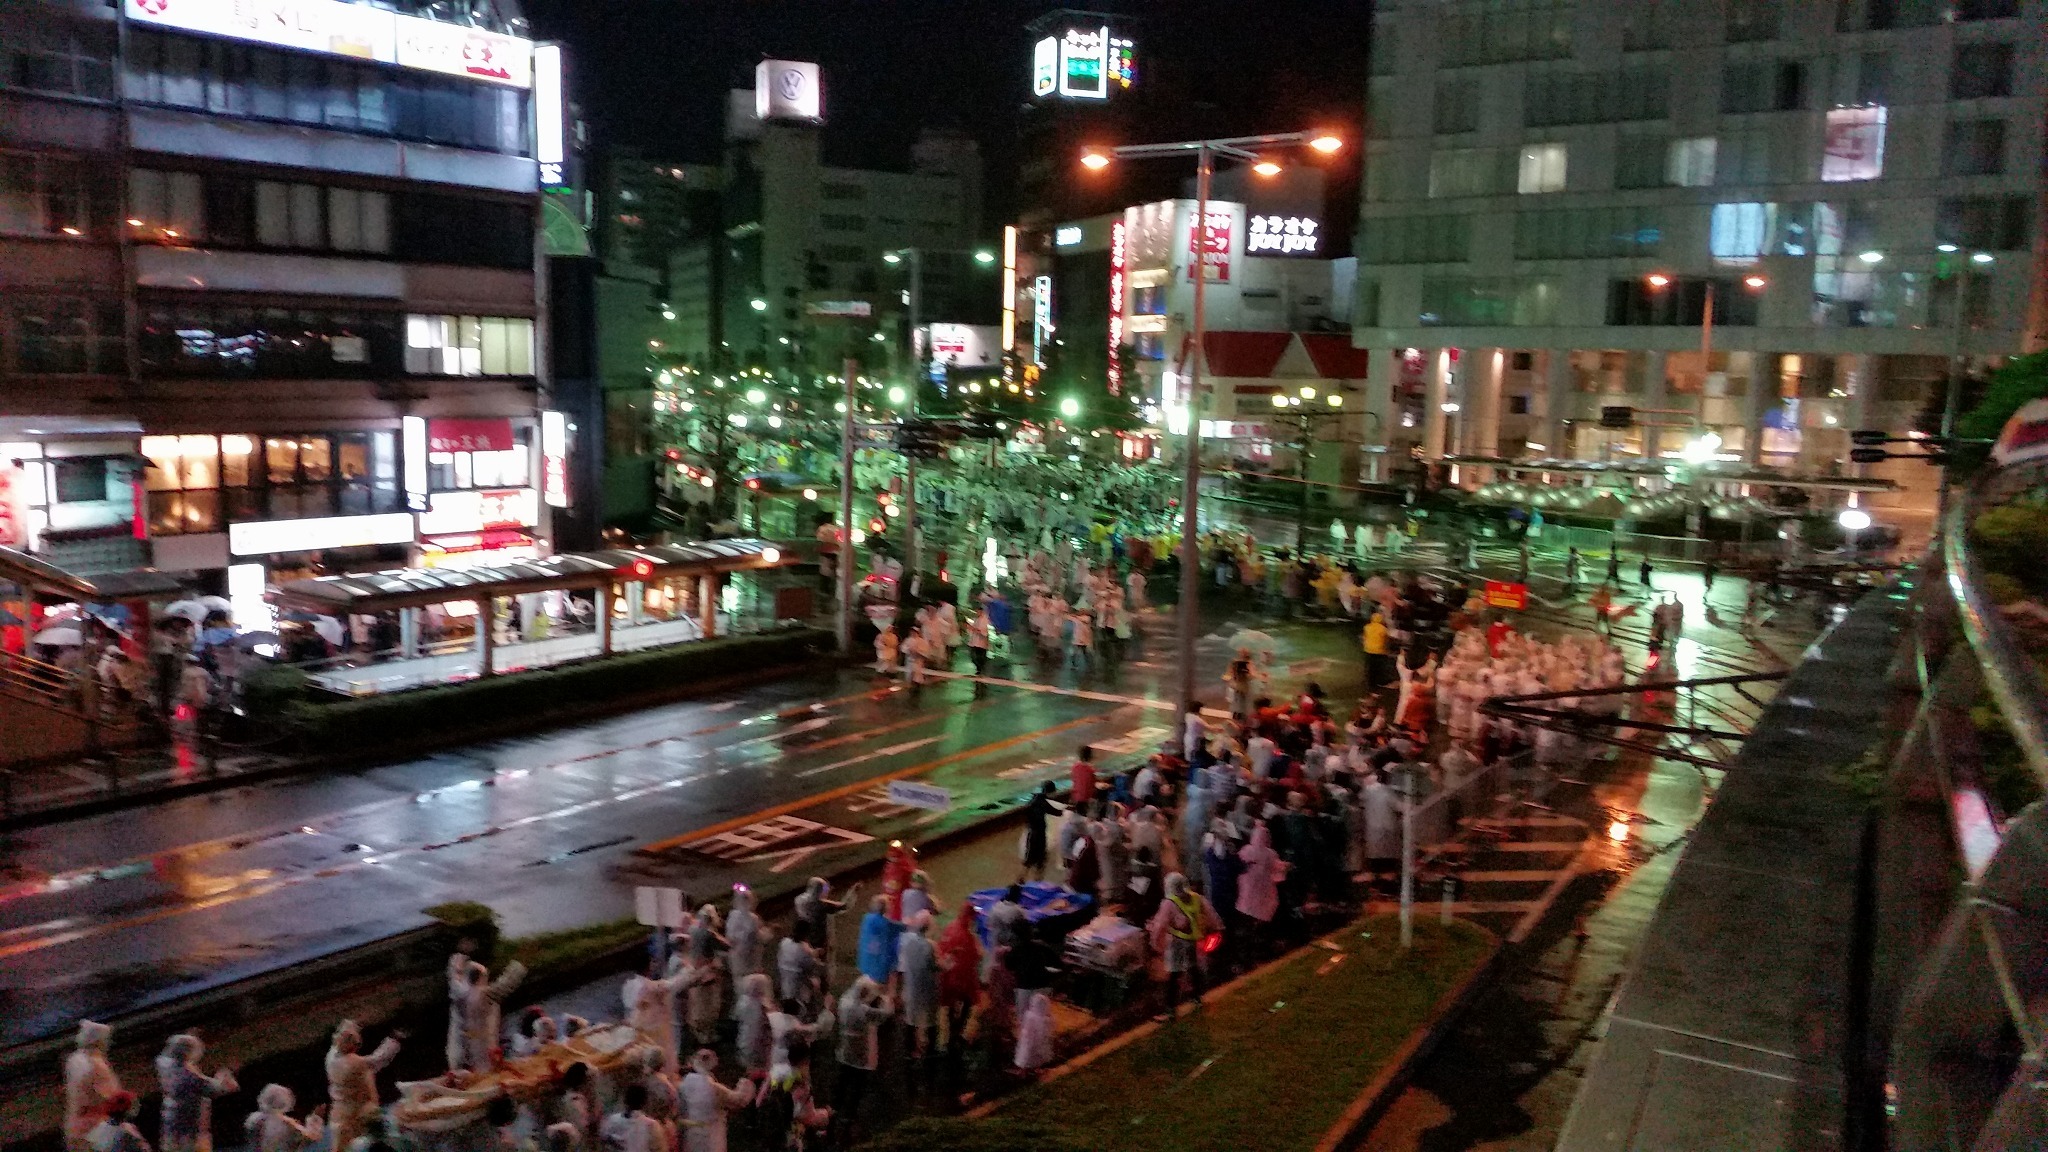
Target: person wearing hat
x,y
188,1095
89,1083
352,1080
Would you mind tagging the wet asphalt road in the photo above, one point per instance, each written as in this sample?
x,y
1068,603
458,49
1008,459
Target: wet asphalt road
x,y
109,914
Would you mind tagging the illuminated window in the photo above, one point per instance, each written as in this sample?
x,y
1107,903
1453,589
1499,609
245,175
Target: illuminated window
x,y
468,346
1689,163
1738,233
1542,169
44,196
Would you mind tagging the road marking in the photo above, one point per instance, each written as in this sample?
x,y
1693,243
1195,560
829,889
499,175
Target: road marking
x,y
1054,689
859,786
1534,876
892,750
1528,846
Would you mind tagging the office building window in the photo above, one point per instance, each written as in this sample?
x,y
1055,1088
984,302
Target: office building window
x,y
42,51
266,83
1750,20
1508,30
358,221
1741,233
836,222
1541,168
1862,78
1589,233
1632,302
1637,92
1879,15
1980,71
1380,96
45,195
277,343
1994,223
166,205
1465,172
1966,10
1492,302
1639,159
1745,156
1417,240
468,346
62,335
1457,105
1646,25
1974,148
202,483
1763,86
1689,163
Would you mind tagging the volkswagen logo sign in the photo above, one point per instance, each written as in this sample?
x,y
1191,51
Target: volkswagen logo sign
x,y
790,83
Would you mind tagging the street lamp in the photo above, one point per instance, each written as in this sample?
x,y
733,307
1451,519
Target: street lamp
x,y
1853,521
984,257
758,304
1248,149
1069,407
1266,168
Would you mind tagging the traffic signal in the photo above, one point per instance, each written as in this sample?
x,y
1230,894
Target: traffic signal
x,y
640,569
1868,455
1618,416
1868,436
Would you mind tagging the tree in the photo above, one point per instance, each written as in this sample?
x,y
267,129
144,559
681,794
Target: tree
x,y
2021,379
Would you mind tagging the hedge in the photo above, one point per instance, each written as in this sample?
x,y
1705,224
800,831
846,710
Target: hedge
x,y
521,699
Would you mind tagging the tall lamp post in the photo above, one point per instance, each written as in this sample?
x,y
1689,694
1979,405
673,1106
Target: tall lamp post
x,y
1300,406
1250,149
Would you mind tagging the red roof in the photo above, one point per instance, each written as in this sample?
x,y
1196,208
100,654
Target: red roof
x,y
1334,357
1244,353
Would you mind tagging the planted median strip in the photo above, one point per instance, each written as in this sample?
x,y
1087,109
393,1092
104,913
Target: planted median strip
x,y
1274,1063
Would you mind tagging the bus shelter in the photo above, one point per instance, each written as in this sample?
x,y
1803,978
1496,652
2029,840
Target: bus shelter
x,y
481,618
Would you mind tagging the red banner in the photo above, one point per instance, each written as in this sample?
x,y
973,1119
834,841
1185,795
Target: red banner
x,y
484,435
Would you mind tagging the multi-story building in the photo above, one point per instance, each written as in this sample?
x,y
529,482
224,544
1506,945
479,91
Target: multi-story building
x,y
802,240
1559,192
271,299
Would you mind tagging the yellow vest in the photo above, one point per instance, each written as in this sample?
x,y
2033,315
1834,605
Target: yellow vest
x,y
1190,906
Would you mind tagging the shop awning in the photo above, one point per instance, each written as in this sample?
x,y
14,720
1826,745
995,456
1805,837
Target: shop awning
x,y
366,593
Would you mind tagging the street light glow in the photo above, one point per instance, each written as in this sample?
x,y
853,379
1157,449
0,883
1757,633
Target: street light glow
x,y
1069,407
1307,392
1657,279
896,394
1266,168
1094,161
756,396
892,257
1334,400
1854,519
759,304
1326,144
984,257
1279,399
1871,257
1754,282
1702,449
1944,247
1981,257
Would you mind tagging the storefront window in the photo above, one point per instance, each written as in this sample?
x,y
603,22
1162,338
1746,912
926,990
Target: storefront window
x,y
456,471
468,346
201,483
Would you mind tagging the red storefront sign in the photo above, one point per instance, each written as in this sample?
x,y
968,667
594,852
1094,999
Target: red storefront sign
x,y
1504,594
479,435
1212,244
1119,256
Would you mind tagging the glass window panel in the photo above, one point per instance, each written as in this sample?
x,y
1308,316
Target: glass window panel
x,y
235,454
305,91
376,221
464,477
182,85
513,466
345,219
145,197
521,359
496,341
282,457
267,85
316,459
307,230
273,215
201,458
486,469
161,472
185,213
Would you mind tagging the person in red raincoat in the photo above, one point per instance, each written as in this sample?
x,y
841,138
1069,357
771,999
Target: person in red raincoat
x,y
959,974
897,868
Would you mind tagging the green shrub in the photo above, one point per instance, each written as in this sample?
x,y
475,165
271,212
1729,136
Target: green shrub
x,y
2004,589
472,921
2014,541
370,722
270,690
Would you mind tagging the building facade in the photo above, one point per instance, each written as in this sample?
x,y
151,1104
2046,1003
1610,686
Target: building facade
x,y
272,300
1769,221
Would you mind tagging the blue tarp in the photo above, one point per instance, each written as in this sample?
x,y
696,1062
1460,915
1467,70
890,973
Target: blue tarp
x,y
1042,901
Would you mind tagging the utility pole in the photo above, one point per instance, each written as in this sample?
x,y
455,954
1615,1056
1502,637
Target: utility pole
x,y
917,358
1191,480
845,574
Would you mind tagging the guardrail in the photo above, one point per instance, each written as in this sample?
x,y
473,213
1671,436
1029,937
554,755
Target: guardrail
x,y
1961,887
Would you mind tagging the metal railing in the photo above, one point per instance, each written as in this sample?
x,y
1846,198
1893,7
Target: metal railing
x,y
1960,964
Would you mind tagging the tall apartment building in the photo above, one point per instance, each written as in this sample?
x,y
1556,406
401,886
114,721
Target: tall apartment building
x,y
1555,189
270,298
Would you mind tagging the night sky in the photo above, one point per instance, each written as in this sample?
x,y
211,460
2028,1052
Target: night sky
x,y
652,74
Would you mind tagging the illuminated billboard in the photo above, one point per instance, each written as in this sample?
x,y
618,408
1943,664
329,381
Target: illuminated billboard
x,y
1083,64
1271,234
335,28
788,90
1855,144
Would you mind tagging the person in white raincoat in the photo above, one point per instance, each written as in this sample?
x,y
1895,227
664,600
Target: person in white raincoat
x,y
743,935
271,1127
474,1001
352,1081
1034,1034
650,1002
89,1082
706,1102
